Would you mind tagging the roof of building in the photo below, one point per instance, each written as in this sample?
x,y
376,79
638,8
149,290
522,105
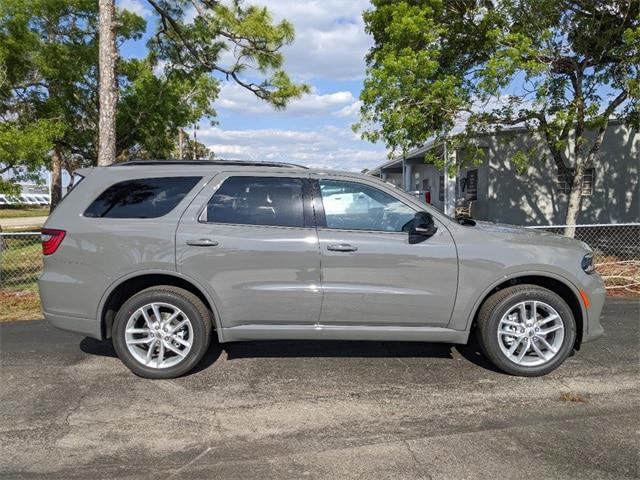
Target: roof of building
x,y
432,143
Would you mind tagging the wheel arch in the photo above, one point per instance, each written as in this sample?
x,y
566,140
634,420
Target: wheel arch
x,y
125,287
562,287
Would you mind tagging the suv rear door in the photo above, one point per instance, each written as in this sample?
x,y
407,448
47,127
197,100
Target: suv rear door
x,y
250,239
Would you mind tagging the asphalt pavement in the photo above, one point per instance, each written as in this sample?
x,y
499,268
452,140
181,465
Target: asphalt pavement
x,y
338,410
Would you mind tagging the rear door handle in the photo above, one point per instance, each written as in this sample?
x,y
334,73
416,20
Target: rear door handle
x,y
202,242
342,247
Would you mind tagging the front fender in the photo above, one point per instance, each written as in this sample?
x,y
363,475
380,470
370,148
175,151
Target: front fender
x,y
468,302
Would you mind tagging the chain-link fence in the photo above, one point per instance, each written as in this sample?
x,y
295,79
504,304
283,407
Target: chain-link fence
x,y
20,260
616,253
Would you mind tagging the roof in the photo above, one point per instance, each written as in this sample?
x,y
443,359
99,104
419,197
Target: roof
x,y
173,167
234,163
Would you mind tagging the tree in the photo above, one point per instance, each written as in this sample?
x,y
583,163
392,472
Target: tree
x,y
50,56
193,49
108,56
49,89
562,68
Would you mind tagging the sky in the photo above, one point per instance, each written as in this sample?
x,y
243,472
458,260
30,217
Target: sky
x,y
315,130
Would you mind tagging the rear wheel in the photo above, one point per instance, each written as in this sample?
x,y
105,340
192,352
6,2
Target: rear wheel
x,y
162,332
526,330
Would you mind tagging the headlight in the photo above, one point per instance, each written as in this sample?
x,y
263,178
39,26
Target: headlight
x,y
587,263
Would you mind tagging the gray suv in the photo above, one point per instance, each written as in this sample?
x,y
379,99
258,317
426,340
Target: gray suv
x,y
157,255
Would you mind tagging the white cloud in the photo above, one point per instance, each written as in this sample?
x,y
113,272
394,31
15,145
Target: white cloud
x,y
328,147
139,7
350,111
314,130
330,38
237,99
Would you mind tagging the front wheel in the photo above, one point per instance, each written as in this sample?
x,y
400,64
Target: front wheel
x,y
162,332
526,330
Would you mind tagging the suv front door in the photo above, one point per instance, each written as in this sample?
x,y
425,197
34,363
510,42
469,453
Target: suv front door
x,y
251,240
371,274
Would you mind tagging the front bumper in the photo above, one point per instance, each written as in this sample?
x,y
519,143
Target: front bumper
x,y
596,293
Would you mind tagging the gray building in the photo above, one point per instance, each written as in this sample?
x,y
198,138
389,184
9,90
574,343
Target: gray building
x,y
495,191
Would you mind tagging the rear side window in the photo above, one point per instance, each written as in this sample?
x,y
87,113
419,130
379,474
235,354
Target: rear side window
x,y
272,201
141,198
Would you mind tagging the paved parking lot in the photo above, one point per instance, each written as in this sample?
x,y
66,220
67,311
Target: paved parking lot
x,y
70,409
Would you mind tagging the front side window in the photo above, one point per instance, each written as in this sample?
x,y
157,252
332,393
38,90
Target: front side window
x,y
355,206
141,198
269,201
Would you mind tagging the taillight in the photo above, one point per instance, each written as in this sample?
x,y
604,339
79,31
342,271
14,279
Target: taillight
x,y
51,240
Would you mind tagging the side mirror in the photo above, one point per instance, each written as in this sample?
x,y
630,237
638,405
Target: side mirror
x,y
423,227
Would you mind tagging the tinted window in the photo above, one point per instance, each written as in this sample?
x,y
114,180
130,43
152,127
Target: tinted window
x,y
258,201
354,206
141,198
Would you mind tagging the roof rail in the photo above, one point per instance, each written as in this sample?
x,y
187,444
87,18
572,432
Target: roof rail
x,y
208,162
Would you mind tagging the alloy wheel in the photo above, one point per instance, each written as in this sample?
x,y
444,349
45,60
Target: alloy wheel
x,y
159,335
530,333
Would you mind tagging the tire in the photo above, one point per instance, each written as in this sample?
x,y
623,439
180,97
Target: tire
x,y
504,311
192,324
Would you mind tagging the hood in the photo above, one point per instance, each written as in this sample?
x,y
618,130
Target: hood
x,y
531,235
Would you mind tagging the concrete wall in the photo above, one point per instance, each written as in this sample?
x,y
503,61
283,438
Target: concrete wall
x,y
395,178
422,172
534,198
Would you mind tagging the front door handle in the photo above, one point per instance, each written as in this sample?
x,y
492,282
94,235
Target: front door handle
x,y
342,247
202,242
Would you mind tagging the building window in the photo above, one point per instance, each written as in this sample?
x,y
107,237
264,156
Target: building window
x,y
588,182
441,188
471,185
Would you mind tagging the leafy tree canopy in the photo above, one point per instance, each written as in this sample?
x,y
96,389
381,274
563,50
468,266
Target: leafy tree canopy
x,y
240,43
560,67
48,77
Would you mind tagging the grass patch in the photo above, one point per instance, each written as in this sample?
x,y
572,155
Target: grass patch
x,y
572,397
18,212
20,305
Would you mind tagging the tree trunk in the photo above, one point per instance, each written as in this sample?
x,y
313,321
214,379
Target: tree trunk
x,y
575,200
56,178
108,85
181,143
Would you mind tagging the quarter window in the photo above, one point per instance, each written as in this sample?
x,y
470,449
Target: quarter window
x,y
271,201
141,198
355,206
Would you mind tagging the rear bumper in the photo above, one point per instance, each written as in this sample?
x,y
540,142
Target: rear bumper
x,y
85,326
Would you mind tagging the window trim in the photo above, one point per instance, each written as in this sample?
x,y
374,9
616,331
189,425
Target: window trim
x,y
321,219
308,215
199,178
563,187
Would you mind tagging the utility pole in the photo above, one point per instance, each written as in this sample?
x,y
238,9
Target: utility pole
x,y
449,184
195,141
180,144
